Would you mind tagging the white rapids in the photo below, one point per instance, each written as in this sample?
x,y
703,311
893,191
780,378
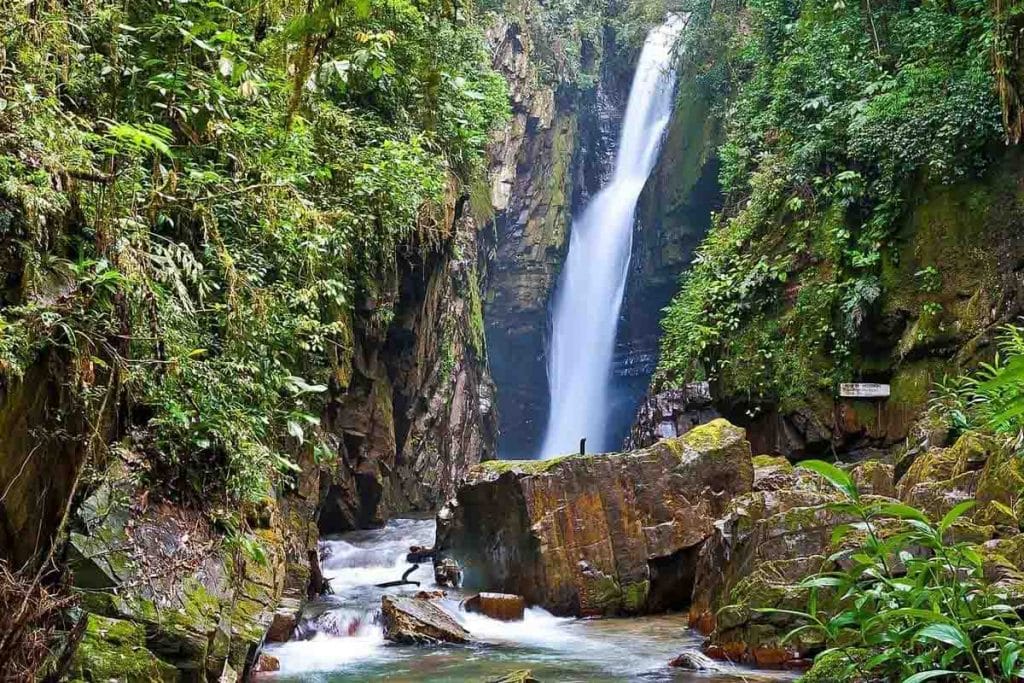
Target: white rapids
x,y
593,280
340,639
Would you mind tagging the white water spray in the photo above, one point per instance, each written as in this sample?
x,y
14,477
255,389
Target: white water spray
x,y
594,277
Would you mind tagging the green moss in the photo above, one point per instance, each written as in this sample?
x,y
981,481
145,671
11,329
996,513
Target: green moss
x,y
634,595
1001,485
911,384
710,437
525,466
563,144
114,649
607,593
772,461
477,338
944,274
831,667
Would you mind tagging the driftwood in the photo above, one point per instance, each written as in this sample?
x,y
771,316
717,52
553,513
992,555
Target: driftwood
x,y
404,581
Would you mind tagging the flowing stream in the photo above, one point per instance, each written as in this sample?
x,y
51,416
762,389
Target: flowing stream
x,y
340,638
589,295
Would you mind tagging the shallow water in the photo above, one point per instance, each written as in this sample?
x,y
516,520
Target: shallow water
x,y
345,642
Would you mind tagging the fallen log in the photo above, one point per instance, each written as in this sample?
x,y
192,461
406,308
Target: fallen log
x,y
404,581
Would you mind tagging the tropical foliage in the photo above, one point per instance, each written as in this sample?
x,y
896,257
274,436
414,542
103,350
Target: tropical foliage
x,y
992,397
194,194
835,113
909,603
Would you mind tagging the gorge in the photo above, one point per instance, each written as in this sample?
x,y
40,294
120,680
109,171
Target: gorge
x,y
307,306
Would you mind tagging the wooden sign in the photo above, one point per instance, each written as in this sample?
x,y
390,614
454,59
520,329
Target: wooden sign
x,y
864,390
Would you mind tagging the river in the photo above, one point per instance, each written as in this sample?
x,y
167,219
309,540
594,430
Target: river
x,y
340,637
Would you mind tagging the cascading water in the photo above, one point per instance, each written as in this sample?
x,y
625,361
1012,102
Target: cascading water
x,y
590,292
339,638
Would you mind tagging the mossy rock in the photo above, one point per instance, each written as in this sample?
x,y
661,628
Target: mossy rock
x,y
115,650
715,437
874,477
1000,486
771,462
831,667
970,453
523,466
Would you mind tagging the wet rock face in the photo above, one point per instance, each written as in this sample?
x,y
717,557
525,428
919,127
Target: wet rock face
x,y
545,162
413,408
602,534
671,413
531,161
415,621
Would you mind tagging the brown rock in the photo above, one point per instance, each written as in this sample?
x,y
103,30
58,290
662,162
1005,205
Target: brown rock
x,y
501,606
976,467
283,622
773,657
416,621
755,558
772,473
691,660
267,663
603,534
874,477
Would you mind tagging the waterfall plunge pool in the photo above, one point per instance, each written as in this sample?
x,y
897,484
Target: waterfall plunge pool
x,y
340,638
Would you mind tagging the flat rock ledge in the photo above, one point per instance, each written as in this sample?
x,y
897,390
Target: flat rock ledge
x,y
417,621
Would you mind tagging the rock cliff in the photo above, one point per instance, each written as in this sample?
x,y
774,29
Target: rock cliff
x,y
412,408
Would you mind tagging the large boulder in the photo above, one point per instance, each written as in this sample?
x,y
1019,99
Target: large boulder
x,y
158,580
417,621
976,467
599,534
758,553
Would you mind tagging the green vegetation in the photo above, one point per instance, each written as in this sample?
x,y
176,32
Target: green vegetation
x,y
912,606
836,115
195,194
989,399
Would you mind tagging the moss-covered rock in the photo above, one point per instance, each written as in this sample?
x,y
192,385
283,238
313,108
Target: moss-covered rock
x,y
874,477
831,667
976,467
166,578
115,650
764,546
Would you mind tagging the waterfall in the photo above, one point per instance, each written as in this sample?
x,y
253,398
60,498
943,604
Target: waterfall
x,y
593,280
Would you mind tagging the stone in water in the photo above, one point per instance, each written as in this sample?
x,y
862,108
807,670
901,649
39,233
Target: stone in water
x,y
502,606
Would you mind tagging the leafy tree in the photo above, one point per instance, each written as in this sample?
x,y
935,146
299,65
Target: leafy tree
x,y
195,194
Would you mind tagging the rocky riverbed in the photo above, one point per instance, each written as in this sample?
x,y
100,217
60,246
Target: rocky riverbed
x,y
340,637
695,522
